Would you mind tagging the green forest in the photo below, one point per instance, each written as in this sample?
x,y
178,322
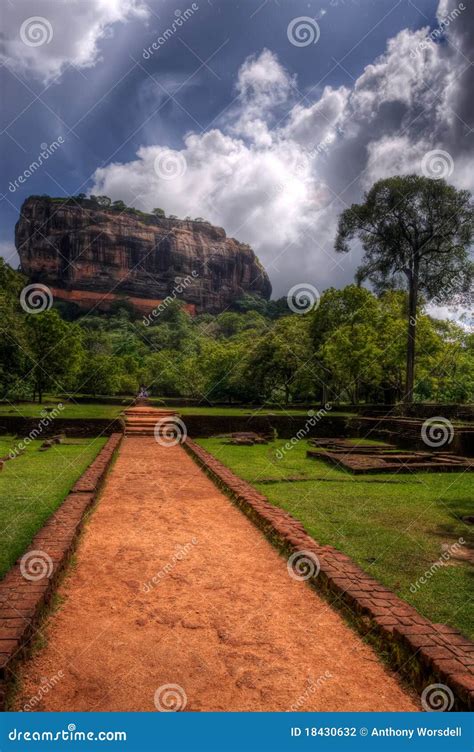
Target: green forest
x,y
353,345
351,348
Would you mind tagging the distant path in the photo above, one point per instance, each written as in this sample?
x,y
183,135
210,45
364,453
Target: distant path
x,y
225,622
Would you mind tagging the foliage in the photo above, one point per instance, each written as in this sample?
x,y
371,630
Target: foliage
x,y
351,348
13,345
416,234
54,350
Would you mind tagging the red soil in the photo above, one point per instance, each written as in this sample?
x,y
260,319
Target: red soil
x,y
223,619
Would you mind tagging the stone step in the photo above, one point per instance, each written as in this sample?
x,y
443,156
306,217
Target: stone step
x,y
161,421
149,429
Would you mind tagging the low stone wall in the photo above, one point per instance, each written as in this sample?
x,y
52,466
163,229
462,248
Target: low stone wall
x,y
286,426
28,586
407,434
423,652
198,426
73,427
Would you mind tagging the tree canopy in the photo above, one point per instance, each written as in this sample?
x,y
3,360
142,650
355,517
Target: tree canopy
x,y
416,233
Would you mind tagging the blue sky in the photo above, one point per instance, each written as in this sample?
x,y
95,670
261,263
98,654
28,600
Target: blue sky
x,y
274,137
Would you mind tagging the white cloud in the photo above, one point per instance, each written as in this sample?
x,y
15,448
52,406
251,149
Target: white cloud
x,y
315,123
278,169
459,314
43,37
392,155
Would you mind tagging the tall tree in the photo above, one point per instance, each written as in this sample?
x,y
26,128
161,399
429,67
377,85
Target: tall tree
x,y
13,342
55,350
416,233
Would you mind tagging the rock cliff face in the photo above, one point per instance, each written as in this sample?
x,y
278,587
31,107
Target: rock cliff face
x,y
94,256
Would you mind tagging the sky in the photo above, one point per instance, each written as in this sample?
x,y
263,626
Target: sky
x,y
266,117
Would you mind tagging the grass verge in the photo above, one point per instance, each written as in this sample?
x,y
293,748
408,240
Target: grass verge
x,y
396,527
33,485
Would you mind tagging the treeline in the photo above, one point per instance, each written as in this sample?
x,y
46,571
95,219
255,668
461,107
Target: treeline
x,y
351,348
119,206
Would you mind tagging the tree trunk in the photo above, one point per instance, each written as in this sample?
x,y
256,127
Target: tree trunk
x,y
411,340
324,393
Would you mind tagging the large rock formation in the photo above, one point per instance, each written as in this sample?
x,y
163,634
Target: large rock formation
x,y
94,256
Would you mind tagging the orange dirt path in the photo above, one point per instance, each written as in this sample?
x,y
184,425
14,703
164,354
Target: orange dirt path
x,y
223,619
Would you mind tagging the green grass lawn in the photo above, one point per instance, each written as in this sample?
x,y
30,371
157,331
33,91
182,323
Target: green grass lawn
x,y
33,485
104,410
69,410
394,530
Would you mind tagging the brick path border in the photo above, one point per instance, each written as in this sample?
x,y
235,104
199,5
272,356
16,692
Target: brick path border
x,y
22,600
421,651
